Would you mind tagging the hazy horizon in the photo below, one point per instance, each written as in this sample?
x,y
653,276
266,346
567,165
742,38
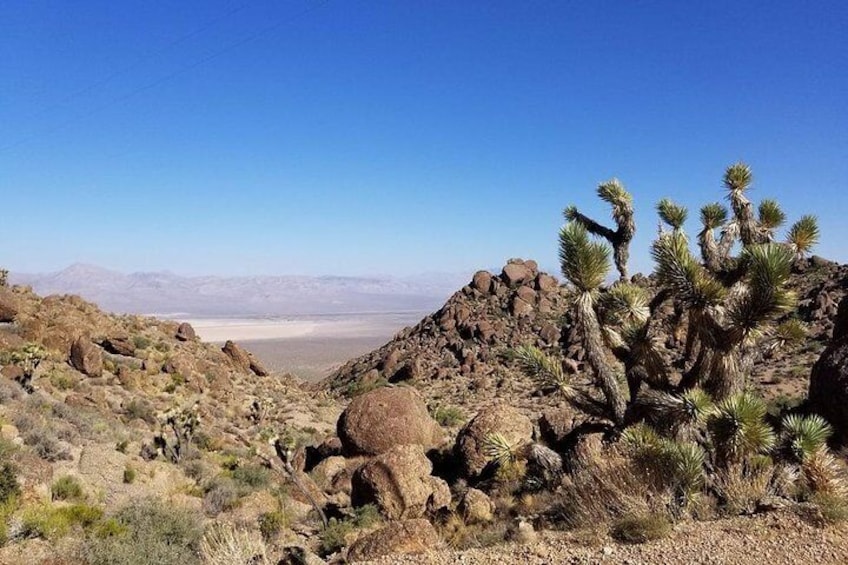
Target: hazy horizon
x,y
331,137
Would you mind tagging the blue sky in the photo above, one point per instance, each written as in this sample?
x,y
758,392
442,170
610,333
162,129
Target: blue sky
x,y
347,137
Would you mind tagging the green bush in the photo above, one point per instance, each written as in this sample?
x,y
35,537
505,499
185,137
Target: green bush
x,y
129,475
9,487
144,532
271,524
334,536
53,522
251,476
448,416
222,494
67,488
141,342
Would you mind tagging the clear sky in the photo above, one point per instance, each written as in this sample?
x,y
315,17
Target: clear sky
x,y
349,137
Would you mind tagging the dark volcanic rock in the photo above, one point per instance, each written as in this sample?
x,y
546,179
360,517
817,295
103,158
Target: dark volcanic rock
x,y
243,360
118,346
829,380
8,305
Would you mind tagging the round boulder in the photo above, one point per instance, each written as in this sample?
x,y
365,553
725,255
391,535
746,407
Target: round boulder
x,y
408,536
376,421
86,357
399,483
477,507
515,427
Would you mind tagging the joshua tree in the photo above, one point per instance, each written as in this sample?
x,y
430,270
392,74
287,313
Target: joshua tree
x,y
183,425
4,277
585,264
729,302
612,192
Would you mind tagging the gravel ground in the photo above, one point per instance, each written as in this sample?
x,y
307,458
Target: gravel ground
x,y
773,539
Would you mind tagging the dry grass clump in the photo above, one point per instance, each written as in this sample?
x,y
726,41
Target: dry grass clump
x,y
639,528
459,534
229,545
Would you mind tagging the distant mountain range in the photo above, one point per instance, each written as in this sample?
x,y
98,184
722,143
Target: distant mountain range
x,y
167,294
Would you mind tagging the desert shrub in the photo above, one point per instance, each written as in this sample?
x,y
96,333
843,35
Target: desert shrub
x,y
229,545
61,380
271,524
741,487
639,528
129,475
251,476
140,409
832,508
9,390
448,416
221,494
9,486
141,342
66,488
334,536
359,387
146,531
53,522
45,444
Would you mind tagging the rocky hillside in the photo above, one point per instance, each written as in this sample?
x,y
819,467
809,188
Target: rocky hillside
x,y
457,354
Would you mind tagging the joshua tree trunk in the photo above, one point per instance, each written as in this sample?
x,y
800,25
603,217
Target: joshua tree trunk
x,y
596,356
710,252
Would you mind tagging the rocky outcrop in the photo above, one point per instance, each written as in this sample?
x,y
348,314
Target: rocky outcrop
x,y
408,536
399,483
243,360
516,429
379,420
829,380
185,332
119,345
9,306
86,357
463,341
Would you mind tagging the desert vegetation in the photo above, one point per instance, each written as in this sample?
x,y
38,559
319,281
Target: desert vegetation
x,y
609,412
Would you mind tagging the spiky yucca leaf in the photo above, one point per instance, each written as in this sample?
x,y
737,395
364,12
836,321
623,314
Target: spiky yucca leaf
x,y
625,304
737,177
543,368
771,216
498,449
822,474
688,460
739,428
803,235
673,214
681,273
769,266
790,332
613,192
713,215
698,405
640,436
803,436
584,262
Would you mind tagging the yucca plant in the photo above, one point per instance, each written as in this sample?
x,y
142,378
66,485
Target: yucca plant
x,y
771,217
713,216
543,368
737,180
803,235
739,429
498,449
803,436
672,214
585,264
790,332
613,193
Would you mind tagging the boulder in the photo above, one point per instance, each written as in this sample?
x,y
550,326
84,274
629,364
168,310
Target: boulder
x,y
9,306
556,424
477,507
546,283
407,536
243,360
120,345
501,419
516,273
86,357
399,483
185,332
385,417
482,281
829,380
520,307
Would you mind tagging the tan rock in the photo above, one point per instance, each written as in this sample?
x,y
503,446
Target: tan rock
x,y
86,357
501,419
476,506
378,420
399,483
408,536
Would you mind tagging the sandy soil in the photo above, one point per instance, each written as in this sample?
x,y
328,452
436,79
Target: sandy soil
x,y
310,348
